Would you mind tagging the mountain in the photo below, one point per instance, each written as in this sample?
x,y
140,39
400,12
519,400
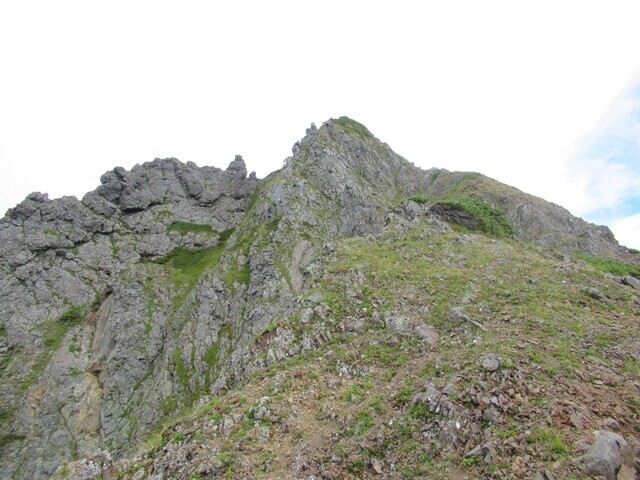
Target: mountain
x,y
348,316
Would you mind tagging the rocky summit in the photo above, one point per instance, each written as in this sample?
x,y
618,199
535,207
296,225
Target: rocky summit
x,y
349,316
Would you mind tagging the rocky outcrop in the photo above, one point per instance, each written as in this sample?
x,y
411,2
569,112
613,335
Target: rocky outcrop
x,y
77,379
163,284
534,219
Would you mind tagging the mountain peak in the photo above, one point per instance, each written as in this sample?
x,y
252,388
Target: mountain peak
x,y
331,283
237,166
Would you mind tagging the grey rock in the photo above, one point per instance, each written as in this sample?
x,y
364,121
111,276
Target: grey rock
x,y
631,281
353,324
491,414
608,453
428,333
611,424
397,323
480,451
596,294
457,315
534,219
238,167
490,363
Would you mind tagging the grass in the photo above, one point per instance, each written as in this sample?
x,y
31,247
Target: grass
x,y
184,227
356,392
492,220
608,265
236,275
362,422
6,438
421,199
53,334
73,315
352,127
551,441
186,266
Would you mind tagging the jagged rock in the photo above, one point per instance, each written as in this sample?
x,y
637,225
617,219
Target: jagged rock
x,y
94,466
238,167
606,456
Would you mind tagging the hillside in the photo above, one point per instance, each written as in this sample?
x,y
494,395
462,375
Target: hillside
x,y
349,316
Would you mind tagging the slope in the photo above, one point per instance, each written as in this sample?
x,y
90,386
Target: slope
x,y
438,354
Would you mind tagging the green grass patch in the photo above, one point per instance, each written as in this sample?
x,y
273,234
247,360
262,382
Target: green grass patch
x,y
362,422
186,266
6,438
609,265
492,220
420,411
236,275
421,199
53,333
184,227
73,315
356,392
554,442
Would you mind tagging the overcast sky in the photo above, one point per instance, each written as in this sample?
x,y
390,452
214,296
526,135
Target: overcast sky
x,y
544,96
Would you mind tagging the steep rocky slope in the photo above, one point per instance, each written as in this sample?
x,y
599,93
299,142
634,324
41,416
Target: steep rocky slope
x,y
171,284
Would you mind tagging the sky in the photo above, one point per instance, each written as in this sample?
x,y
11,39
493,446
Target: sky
x,y
544,95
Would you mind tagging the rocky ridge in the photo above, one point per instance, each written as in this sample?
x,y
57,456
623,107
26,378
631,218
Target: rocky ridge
x,y
172,283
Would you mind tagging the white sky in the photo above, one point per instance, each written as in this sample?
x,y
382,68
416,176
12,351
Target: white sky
x,y
514,90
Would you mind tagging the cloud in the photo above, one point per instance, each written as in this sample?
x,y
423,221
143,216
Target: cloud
x,y
627,230
604,171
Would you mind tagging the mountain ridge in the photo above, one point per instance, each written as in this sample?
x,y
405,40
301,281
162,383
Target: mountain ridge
x,y
169,282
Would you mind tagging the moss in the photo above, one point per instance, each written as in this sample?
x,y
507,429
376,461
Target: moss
x,y
184,227
213,356
160,215
97,301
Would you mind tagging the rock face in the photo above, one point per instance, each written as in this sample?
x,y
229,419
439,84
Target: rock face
x,y
77,380
160,286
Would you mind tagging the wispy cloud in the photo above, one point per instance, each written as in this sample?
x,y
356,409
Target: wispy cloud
x,y
605,169
627,230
